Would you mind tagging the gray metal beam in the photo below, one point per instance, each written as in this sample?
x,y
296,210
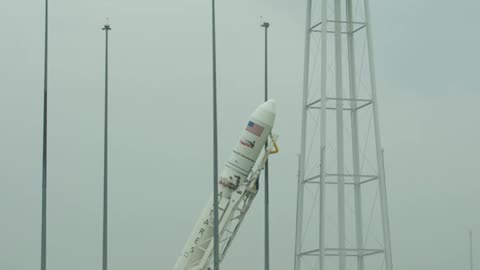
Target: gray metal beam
x,y
106,28
43,249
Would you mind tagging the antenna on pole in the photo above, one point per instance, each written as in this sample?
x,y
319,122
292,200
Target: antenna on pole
x,y
43,261
106,28
267,212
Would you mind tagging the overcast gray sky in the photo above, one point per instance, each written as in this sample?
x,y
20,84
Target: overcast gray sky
x,y
160,144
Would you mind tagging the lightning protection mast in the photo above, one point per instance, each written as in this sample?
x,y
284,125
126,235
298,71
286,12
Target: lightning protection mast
x,y
471,249
105,28
342,216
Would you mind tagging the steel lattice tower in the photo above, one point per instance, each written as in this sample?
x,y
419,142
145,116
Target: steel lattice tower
x,y
342,216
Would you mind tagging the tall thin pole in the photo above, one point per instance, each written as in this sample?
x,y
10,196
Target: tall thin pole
x,y
340,137
216,262
355,135
378,143
43,262
106,28
267,212
301,159
471,250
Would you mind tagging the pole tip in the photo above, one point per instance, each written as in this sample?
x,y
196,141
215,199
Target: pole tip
x,y
107,25
265,24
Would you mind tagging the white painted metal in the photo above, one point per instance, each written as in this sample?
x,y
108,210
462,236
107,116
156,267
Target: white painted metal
x,y
237,189
301,161
340,136
357,185
343,24
355,137
323,142
378,143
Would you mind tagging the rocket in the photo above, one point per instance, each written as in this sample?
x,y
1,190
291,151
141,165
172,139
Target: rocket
x,y
236,190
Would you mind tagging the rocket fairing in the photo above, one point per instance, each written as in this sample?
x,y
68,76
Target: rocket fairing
x,y
235,172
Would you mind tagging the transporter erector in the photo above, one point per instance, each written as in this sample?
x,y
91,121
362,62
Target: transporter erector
x,y
237,187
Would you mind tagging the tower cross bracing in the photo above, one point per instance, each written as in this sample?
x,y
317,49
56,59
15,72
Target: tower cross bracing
x,y
342,213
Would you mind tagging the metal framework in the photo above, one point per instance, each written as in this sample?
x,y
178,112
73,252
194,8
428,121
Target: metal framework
x,y
232,212
341,166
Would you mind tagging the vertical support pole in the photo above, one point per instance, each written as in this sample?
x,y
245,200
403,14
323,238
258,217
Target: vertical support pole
x,y
216,257
471,250
301,162
323,138
267,212
384,210
43,260
106,28
340,135
378,144
355,137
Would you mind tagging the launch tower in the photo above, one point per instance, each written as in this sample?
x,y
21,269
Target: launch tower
x,y
342,215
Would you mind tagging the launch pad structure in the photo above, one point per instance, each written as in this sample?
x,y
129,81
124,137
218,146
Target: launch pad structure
x,y
342,213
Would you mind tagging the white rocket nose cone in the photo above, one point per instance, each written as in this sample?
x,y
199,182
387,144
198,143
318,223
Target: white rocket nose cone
x,y
269,106
266,112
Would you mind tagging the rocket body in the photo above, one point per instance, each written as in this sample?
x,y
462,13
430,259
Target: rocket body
x,y
236,170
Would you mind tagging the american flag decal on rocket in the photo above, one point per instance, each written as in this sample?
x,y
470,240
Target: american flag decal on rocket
x,y
254,128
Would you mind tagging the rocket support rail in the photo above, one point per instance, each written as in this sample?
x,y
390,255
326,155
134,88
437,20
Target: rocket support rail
x,y
232,211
